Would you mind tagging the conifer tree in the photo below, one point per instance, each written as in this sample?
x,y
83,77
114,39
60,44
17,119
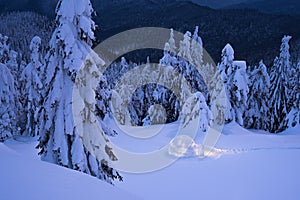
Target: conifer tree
x,y
279,78
257,114
185,47
293,118
60,140
8,126
226,70
239,91
197,49
233,74
172,43
32,88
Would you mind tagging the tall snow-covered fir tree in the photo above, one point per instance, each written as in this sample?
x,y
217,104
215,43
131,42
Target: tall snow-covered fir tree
x,y
293,118
279,94
218,99
226,70
11,59
170,51
32,88
235,79
13,65
8,126
185,47
239,90
257,114
172,43
197,49
60,141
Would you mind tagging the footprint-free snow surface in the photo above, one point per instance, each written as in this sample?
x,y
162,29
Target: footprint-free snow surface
x,y
253,165
24,177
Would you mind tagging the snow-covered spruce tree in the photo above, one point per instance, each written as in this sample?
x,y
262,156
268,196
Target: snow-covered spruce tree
x,y
257,115
124,65
185,47
8,126
60,141
279,97
227,57
239,90
13,65
207,70
293,75
226,70
166,59
170,51
196,107
11,59
218,97
197,49
233,73
31,89
172,42
293,118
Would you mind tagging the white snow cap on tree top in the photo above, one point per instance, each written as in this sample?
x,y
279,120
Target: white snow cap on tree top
x,y
171,42
263,67
35,43
228,52
79,13
286,39
285,47
195,36
70,8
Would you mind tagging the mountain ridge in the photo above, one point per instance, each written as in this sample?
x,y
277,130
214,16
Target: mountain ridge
x,y
254,35
282,7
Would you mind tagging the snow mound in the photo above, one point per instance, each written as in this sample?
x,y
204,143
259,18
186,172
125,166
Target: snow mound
x,y
22,178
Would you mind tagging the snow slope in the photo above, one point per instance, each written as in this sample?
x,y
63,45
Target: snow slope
x,y
25,177
261,166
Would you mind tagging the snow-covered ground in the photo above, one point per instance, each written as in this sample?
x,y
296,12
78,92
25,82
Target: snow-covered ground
x,y
260,166
24,177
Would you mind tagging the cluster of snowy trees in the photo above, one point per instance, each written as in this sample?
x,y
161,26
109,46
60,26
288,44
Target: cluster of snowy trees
x,y
273,103
260,97
36,98
21,27
257,97
11,107
22,83
157,98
